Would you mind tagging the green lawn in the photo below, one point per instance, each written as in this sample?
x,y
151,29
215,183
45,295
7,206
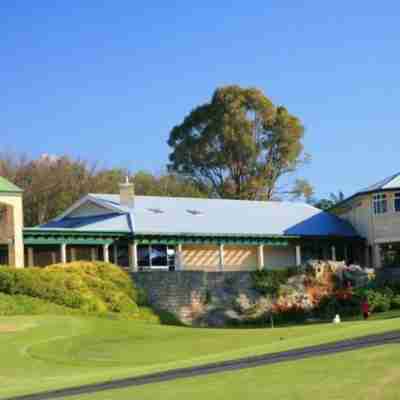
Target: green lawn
x,y
45,352
370,374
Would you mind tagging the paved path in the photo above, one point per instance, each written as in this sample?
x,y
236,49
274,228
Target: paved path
x,y
248,362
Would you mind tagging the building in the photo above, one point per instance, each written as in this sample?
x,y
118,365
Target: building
x,y
11,224
375,214
145,232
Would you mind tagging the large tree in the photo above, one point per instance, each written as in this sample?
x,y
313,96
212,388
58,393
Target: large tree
x,y
238,145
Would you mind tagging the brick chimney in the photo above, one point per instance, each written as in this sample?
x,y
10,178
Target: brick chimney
x,y
127,193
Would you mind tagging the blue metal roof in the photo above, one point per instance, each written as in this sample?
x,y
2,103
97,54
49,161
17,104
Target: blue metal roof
x,y
107,223
178,216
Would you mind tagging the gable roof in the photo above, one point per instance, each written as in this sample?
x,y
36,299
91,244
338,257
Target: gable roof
x,y
8,187
390,183
99,223
216,217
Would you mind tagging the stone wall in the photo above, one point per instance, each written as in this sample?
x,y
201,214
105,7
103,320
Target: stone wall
x,y
196,297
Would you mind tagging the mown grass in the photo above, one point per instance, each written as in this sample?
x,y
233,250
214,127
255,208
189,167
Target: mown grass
x,y
46,352
371,374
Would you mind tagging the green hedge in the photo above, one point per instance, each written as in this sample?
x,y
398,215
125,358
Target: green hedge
x,y
96,287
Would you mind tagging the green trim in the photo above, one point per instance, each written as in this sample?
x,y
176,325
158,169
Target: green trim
x,y
73,232
72,236
56,241
33,236
171,240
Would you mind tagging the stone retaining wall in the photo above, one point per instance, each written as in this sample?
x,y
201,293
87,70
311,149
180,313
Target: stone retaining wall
x,y
190,294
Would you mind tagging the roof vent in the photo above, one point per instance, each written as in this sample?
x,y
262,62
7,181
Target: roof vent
x,y
195,212
155,210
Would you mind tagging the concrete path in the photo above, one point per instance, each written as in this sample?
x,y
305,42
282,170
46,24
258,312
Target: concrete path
x,y
231,365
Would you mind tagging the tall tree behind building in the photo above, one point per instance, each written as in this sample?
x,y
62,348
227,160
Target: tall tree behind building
x,y
239,145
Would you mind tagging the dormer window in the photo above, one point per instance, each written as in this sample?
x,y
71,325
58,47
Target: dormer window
x,y
397,202
380,203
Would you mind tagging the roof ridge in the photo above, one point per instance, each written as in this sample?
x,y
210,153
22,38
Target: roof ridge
x,y
210,199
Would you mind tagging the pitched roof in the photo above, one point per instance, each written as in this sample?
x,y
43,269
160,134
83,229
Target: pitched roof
x,y
390,183
98,223
8,187
185,216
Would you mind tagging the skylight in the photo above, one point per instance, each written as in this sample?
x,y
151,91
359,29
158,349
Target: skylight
x,y
155,210
195,212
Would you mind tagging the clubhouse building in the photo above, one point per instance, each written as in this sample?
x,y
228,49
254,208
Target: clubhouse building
x,y
148,233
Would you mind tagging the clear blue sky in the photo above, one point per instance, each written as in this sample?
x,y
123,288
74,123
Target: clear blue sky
x,y
106,80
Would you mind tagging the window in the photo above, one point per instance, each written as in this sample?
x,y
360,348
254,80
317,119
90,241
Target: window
x,y
397,202
380,203
152,256
158,256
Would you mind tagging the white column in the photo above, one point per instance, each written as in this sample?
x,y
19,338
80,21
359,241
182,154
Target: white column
x,y
63,249
73,254
260,252
53,257
132,250
298,256
93,253
115,253
106,253
221,257
31,260
11,254
333,250
178,258
377,256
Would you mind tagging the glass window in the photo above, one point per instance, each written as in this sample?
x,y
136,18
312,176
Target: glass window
x,y
380,203
158,255
397,202
152,256
143,253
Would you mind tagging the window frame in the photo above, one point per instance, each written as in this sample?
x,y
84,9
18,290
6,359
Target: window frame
x,y
148,255
396,198
380,203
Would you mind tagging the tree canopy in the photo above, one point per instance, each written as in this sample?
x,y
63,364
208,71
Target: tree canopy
x,y
330,201
238,145
52,184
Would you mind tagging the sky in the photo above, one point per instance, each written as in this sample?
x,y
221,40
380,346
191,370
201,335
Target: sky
x,y
107,80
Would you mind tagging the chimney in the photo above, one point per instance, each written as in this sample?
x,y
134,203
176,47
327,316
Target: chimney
x,y
127,193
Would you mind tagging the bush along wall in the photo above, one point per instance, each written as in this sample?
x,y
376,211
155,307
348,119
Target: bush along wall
x,y
88,287
320,291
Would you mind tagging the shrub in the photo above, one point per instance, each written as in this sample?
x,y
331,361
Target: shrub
x,y
91,287
25,305
378,301
329,306
288,314
269,281
395,303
